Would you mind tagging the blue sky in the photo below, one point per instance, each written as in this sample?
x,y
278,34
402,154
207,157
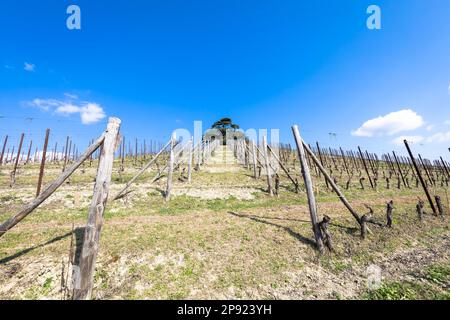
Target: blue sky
x,y
160,65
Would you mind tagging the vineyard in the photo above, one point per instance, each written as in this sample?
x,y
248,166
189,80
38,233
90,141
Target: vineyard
x,y
243,219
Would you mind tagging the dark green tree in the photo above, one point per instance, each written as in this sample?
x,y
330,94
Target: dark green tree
x,y
224,125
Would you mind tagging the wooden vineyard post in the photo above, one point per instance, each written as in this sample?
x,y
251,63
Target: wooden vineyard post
x,y
48,191
191,144
420,177
345,162
54,152
365,167
85,276
334,186
399,168
267,165
13,173
426,170
309,188
247,155
3,150
41,170
445,167
254,159
70,151
12,154
137,175
65,154
170,169
29,152
283,167
197,165
321,160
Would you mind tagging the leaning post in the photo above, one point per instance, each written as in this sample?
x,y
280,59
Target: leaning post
x,y
254,159
13,173
267,165
191,144
3,150
420,177
309,188
84,277
44,156
170,169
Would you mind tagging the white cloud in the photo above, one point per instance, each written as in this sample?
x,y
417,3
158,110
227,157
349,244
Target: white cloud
x,y
29,67
439,137
67,108
411,139
7,66
447,122
45,104
390,124
90,112
448,89
430,127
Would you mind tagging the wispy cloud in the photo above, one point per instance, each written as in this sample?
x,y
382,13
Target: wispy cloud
x,y
45,104
390,124
411,139
7,66
29,67
439,137
90,112
71,96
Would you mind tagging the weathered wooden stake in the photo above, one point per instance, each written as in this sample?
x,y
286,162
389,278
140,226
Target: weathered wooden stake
x,y
29,151
309,188
426,170
424,186
191,144
12,154
84,278
284,168
129,183
254,155
13,173
44,155
48,191
170,169
321,160
365,166
399,168
345,162
3,150
267,165
331,181
445,167
65,154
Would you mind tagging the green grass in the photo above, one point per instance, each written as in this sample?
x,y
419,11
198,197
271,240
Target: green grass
x,y
438,274
406,291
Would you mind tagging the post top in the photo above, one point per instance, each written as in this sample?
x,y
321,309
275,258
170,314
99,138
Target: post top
x,y
114,121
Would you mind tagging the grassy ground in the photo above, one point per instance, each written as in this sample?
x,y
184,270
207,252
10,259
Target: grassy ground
x,y
221,236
